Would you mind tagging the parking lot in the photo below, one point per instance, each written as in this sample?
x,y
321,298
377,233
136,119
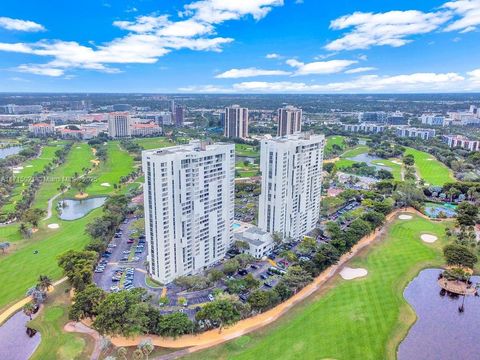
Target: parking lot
x,y
122,265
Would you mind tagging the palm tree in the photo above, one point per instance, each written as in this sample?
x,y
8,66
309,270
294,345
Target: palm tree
x,y
28,309
146,347
122,353
44,282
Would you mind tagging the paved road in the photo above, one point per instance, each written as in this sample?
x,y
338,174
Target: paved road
x,y
15,344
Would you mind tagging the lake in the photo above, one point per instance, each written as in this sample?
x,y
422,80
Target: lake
x,y
12,150
366,158
441,332
76,209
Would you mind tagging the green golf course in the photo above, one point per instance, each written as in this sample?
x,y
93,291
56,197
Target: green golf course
x,y
363,319
430,169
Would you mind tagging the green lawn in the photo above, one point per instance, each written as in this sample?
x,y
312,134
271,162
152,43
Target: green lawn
x,y
31,167
345,162
78,159
359,319
154,143
247,150
248,170
334,140
20,269
119,163
57,343
430,169
395,169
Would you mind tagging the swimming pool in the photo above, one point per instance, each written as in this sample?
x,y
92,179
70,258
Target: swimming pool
x,y
236,226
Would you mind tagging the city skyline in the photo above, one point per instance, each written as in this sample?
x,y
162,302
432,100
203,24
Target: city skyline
x,y
252,46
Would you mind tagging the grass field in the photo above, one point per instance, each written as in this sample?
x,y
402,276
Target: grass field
x,y
248,170
78,159
119,163
49,244
359,319
31,167
154,143
56,343
246,150
345,162
395,169
334,140
430,169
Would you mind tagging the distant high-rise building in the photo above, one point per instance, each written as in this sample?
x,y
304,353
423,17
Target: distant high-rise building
x,y
189,205
236,122
119,125
376,117
179,115
291,169
289,121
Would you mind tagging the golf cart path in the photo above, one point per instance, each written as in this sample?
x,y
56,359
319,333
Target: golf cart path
x,y
215,337
50,204
20,304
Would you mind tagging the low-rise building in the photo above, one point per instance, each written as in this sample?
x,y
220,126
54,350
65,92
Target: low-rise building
x,y
149,129
461,141
260,242
424,134
364,127
42,129
375,117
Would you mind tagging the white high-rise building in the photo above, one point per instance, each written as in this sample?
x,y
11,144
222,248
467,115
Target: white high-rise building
x,y
236,122
189,205
119,125
289,121
291,169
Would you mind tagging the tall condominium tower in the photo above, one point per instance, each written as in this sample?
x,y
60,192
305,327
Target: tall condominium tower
x,y
119,125
179,115
189,204
291,169
289,121
236,122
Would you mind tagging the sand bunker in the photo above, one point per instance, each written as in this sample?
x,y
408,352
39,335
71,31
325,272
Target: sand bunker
x,y
53,226
381,164
81,196
348,273
405,217
428,238
18,168
396,162
29,166
430,159
105,184
96,162
16,171
78,147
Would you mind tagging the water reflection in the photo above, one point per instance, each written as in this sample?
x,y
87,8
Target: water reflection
x,y
441,331
75,209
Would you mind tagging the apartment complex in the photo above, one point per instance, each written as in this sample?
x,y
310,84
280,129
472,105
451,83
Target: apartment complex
x,y
454,141
289,121
236,122
146,129
189,205
364,127
433,120
119,125
291,169
373,116
424,134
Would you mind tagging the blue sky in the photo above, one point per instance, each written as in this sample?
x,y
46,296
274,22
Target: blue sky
x,y
244,46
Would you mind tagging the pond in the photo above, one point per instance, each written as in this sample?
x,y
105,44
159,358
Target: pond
x,y
250,159
76,209
440,332
366,158
433,210
12,150
15,344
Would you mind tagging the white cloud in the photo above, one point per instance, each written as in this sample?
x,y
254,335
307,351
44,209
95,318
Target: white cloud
x,y
272,56
469,13
204,89
320,67
249,72
360,69
148,38
416,82
20,25
393,28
